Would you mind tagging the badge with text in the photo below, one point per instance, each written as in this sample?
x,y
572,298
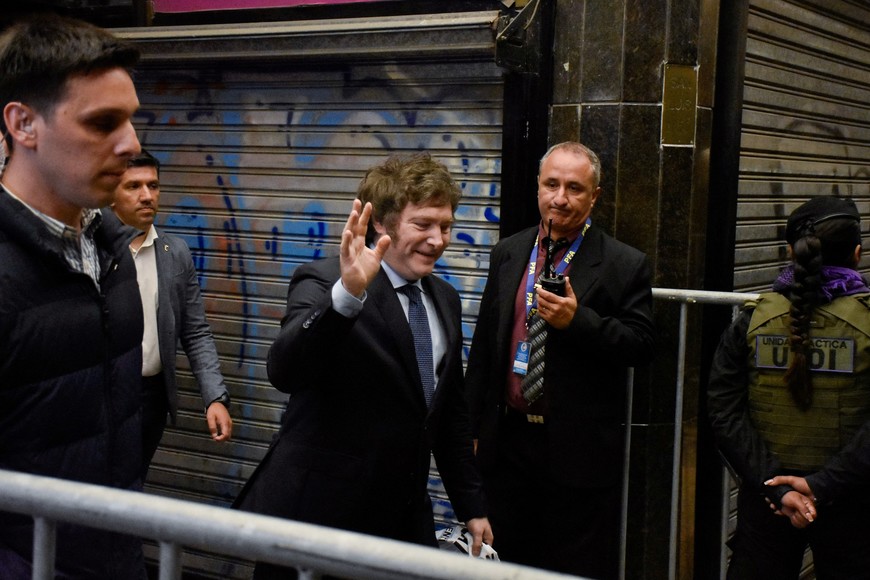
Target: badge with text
x,y
521,360
827,354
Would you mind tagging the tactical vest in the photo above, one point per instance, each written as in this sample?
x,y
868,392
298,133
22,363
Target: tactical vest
x,y
840,367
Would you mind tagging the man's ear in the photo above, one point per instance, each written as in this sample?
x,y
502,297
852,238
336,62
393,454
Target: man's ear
x,y
379,227
857,255
19,119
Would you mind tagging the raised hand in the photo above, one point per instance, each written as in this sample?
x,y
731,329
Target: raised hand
x,y
359,263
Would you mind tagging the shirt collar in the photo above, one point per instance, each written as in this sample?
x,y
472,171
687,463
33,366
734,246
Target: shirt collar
x,y
91,219
572,235
396,280
150,237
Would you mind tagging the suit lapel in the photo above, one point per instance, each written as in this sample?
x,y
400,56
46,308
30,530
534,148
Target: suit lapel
x,y
452,335
583,270
165,316
164,269
451,332
513,271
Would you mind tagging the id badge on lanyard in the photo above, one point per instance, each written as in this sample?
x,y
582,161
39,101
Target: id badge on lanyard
x,y
524,347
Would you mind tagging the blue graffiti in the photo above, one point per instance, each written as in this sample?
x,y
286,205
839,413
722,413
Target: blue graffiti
x,y
234,249
272,245
316,235
314,229
464,237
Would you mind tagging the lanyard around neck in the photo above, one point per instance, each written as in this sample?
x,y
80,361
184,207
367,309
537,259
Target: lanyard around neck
x,y
531,297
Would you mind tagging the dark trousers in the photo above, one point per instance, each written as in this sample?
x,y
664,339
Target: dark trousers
x,y
767,547
155,408
539,522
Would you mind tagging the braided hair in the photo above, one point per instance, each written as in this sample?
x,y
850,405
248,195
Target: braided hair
x,y
822,232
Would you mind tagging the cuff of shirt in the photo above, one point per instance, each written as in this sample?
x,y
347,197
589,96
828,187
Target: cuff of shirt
x,y
344,302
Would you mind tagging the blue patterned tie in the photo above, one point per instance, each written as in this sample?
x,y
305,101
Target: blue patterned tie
x,y
419,322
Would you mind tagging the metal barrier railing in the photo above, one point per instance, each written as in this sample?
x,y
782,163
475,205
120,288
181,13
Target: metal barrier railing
x,y
176,523
685,298
311,548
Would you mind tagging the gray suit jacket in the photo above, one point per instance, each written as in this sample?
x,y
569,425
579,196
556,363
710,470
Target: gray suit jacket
x,y
181,317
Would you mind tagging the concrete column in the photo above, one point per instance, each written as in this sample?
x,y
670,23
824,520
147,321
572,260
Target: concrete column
x,y
613,61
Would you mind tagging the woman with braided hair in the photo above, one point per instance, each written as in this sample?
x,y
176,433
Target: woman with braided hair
x,y
789,387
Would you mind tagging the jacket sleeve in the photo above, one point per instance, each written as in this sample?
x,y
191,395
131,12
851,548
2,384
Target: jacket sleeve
x,y
309,330
741,445
196,336
847,472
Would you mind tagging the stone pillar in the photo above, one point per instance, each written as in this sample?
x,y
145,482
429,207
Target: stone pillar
x,y
617,66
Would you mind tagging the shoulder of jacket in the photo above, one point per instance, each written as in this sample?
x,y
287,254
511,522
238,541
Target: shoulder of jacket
x,y
325,267
765,308
443,285
863,299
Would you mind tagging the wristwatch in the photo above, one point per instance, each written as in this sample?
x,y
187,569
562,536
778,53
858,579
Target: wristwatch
x,y
224,400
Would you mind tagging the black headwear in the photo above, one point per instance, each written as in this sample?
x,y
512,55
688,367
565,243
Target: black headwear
x,y
818,210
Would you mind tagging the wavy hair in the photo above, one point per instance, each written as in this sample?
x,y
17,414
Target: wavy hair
x,y
400,180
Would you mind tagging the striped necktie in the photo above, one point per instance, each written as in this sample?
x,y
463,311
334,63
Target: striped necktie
x,y
533,383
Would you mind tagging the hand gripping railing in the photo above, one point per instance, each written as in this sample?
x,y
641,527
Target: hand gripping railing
x,y
176,523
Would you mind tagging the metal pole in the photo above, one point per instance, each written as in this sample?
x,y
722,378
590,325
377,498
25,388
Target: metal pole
x,y
626,464
678,442
44,548
170,561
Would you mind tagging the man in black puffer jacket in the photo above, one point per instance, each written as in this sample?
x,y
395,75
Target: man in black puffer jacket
x,y
70,313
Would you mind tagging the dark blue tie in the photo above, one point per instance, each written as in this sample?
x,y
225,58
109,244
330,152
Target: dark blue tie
x,y
419,322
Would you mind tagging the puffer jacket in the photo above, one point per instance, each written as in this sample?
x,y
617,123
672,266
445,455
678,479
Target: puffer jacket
x,y
70,393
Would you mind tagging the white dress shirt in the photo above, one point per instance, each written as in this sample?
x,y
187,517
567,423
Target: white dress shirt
x,y
146,274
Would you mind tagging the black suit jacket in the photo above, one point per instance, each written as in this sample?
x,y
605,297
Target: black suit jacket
x,y
586,363
354,447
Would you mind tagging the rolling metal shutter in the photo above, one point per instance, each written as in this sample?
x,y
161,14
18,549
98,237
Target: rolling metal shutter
x,y
263,133
806,122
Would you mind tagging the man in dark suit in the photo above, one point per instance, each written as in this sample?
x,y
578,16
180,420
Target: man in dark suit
x,y
354,447
551,452
173,310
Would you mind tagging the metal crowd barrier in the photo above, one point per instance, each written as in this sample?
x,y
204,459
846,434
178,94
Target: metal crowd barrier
x,y
177,523
310,548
